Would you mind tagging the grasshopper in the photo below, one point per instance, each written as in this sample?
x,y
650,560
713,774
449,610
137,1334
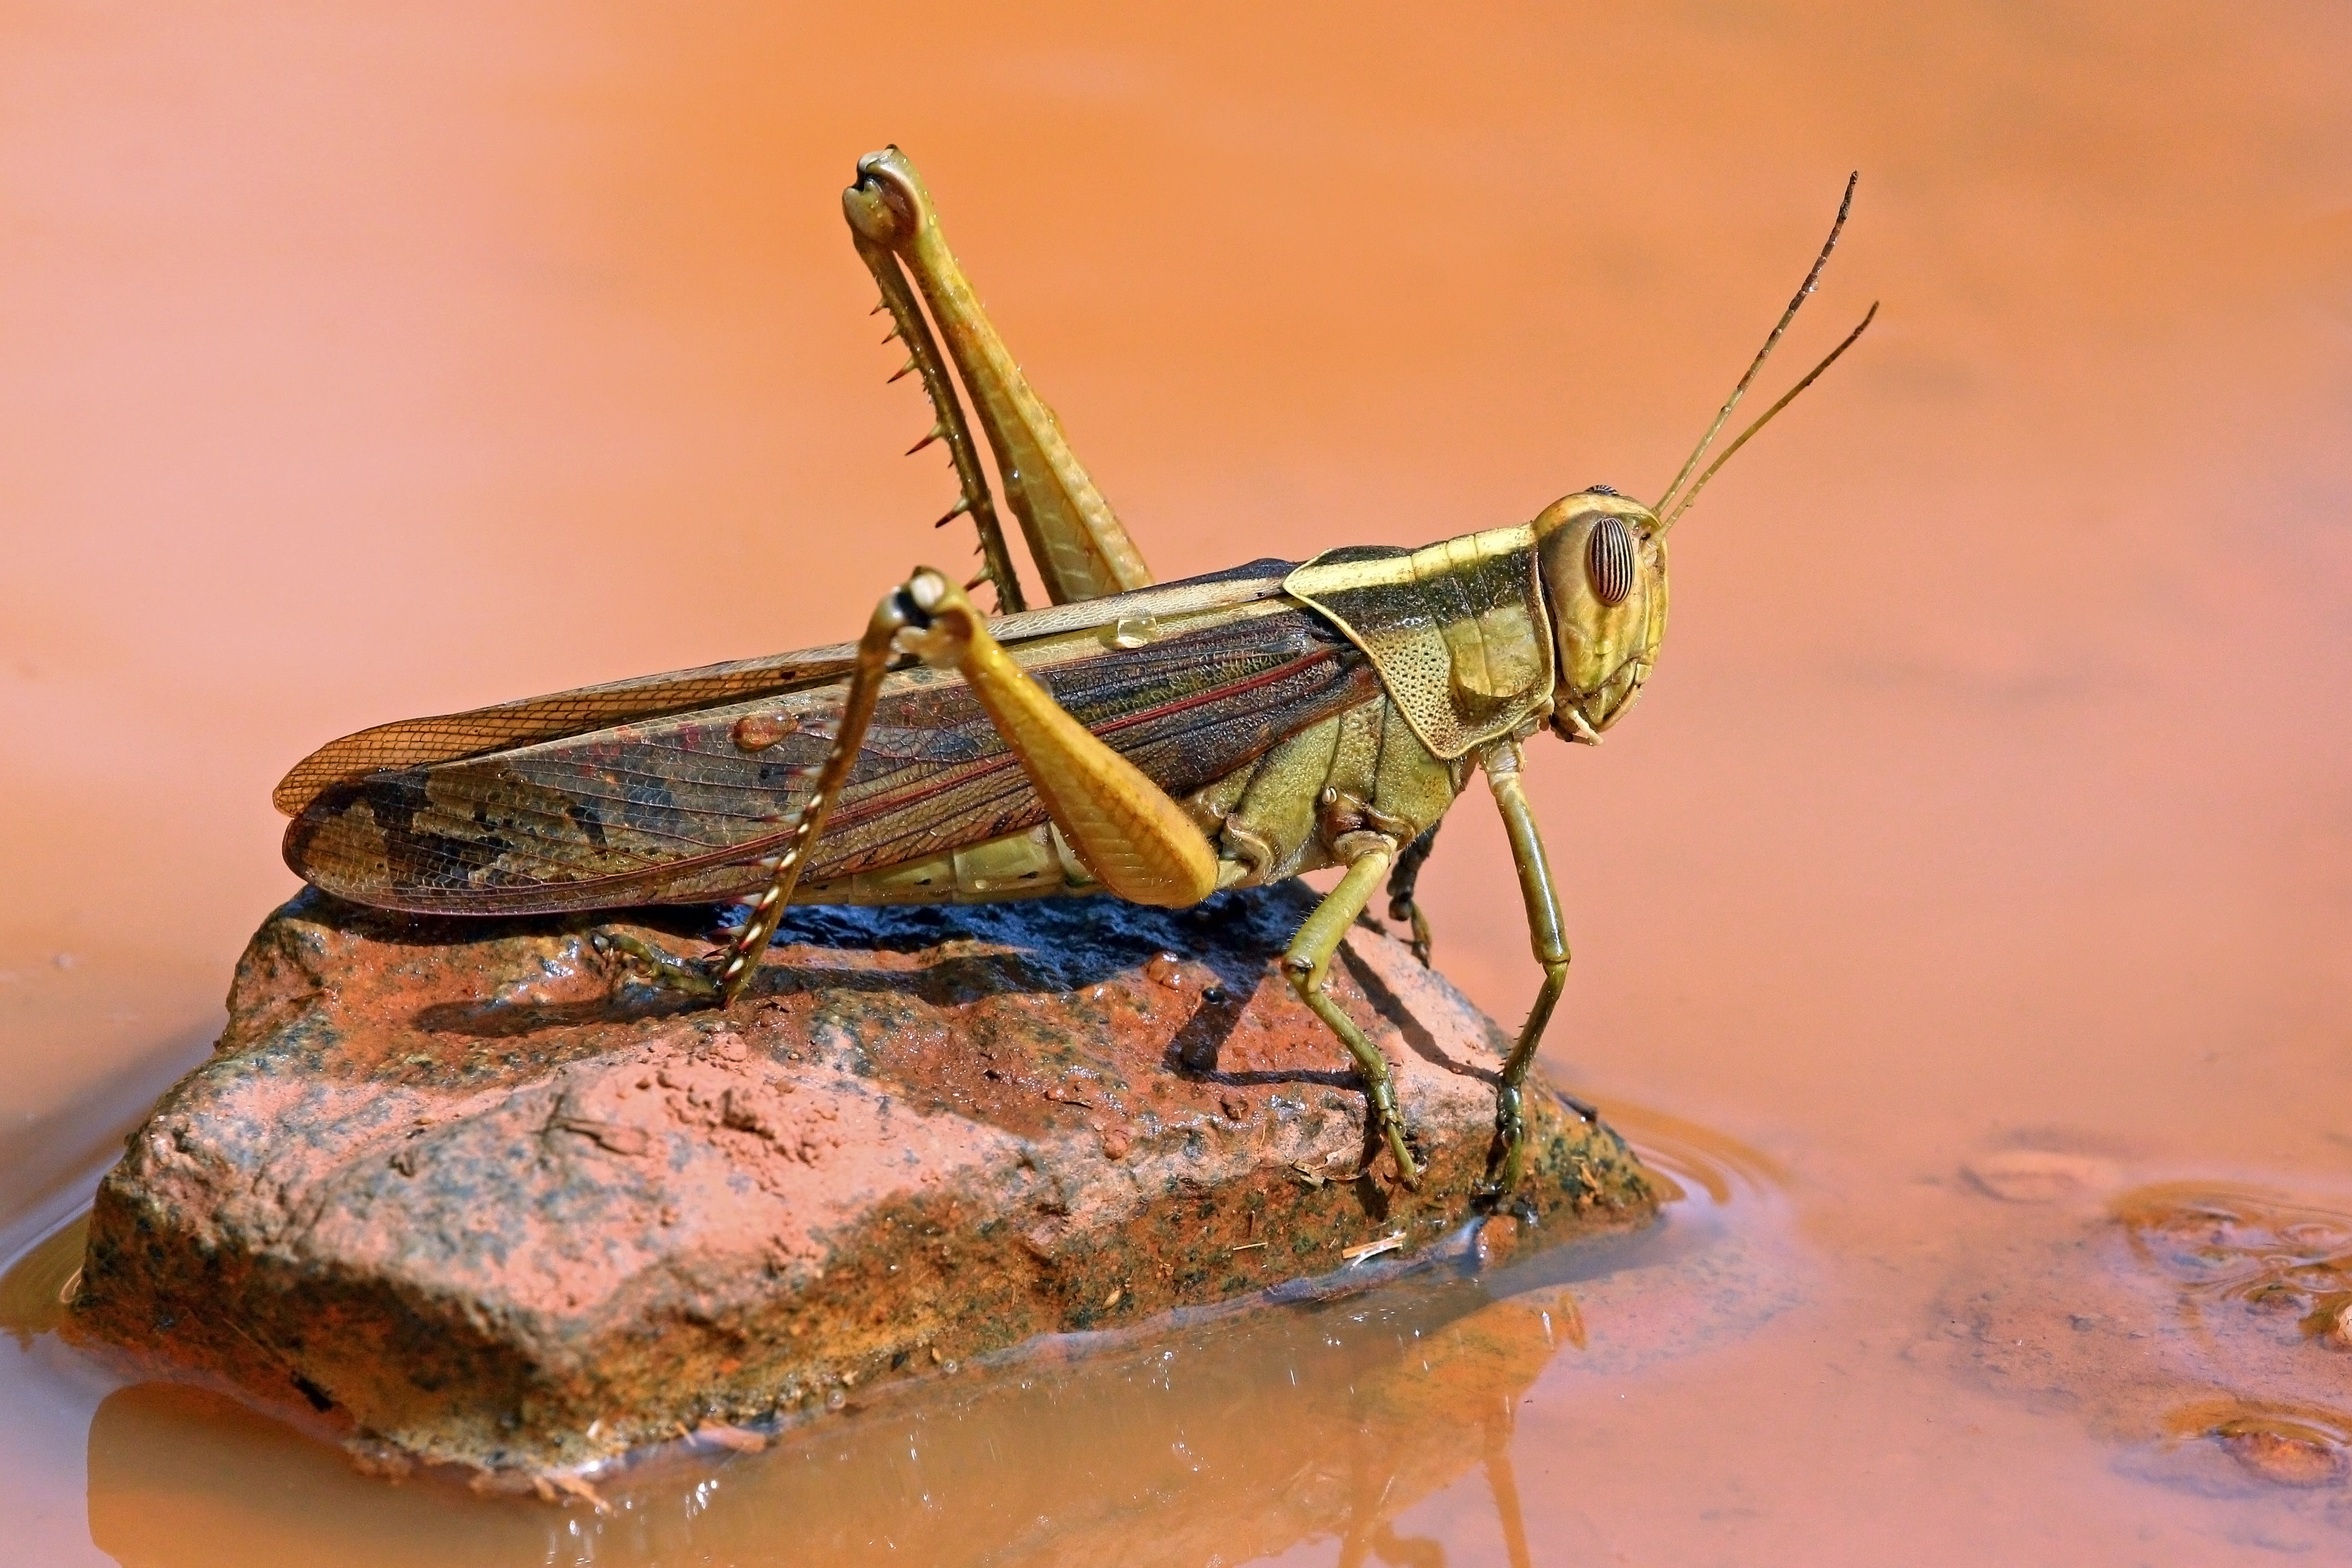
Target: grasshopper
x,y
1152,741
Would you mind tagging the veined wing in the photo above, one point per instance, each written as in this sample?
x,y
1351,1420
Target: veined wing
x,y
533,720
446,737
673,809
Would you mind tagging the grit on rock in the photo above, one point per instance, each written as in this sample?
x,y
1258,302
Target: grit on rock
x,y
446,1186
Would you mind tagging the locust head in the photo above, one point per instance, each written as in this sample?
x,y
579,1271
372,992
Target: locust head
x,y
1604,557
1603,561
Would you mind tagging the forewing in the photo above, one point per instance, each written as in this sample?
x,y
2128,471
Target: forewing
x,y
532,720
448,737
672,809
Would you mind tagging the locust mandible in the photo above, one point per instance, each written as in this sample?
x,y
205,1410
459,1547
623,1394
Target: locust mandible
x,y
1155,743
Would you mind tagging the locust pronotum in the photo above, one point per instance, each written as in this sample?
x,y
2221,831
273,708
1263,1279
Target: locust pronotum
x,y
1154,743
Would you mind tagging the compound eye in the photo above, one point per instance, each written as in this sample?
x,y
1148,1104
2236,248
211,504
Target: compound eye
x,y
1609,559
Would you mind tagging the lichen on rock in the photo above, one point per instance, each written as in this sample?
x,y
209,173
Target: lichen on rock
x,y
446,1186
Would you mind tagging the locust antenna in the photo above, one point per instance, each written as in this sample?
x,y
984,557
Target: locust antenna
x,y
1787,397
1812,280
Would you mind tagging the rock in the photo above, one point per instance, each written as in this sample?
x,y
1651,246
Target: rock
x,y
2186,1320
2039,1175
446,1185
2285,1459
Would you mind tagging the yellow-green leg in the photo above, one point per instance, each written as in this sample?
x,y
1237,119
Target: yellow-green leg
x,y
1076,540
907,324
1501,764
1308,964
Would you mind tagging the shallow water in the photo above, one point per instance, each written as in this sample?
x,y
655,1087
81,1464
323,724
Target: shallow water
x,y
1980,854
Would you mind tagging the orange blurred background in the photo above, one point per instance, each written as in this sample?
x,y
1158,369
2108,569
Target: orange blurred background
x,y
380,359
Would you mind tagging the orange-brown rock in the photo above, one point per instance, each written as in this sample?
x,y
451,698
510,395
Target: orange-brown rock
x,y
447,1185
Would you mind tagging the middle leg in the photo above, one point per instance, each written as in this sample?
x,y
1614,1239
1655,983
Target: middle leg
x,y
1307,965
1402,884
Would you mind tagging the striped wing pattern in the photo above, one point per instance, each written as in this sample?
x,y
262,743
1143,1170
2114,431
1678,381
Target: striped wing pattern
x,y
670,809
504,726
411,742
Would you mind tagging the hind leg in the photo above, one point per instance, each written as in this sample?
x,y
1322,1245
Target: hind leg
x,y
727,972
1076,540
1138,842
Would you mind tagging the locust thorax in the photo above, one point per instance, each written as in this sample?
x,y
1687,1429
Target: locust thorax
x,y
1604,580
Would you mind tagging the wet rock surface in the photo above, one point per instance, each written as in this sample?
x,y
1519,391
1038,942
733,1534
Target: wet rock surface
x,y
445,1186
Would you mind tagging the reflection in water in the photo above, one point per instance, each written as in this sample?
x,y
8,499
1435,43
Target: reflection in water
x,y
1232,1436
2271,1442
1238,1440
34,1292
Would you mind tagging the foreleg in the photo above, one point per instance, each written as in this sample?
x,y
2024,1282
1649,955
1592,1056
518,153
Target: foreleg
x,y
1500,763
